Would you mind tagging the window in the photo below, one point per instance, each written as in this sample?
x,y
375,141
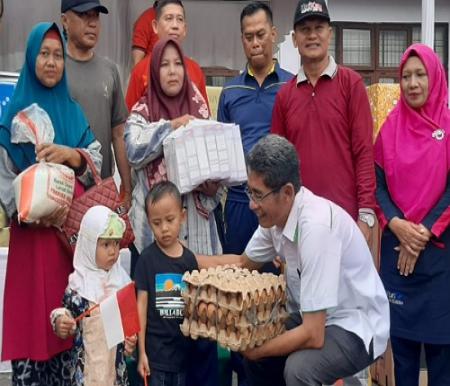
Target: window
x,y
218,76
356,47
391,46
375,50
440,40
332,48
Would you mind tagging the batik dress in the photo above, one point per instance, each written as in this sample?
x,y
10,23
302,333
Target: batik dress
x,y
92,362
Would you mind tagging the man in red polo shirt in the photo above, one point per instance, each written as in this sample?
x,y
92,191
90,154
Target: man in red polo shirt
x,y
144,38
170,22
324,111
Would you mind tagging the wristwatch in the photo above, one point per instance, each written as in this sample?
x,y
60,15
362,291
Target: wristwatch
x,y
368,218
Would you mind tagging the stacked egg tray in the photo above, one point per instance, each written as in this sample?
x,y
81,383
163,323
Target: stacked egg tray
x,y
237,308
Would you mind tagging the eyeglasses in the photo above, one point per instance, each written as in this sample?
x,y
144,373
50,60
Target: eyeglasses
x,y
258,197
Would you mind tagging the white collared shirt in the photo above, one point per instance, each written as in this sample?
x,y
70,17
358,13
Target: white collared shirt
x,y
328,267
330,71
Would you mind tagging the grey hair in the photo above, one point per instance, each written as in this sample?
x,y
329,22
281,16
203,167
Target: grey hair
x,y
275,159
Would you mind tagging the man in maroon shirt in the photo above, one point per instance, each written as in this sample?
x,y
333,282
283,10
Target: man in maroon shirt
x,y
325,113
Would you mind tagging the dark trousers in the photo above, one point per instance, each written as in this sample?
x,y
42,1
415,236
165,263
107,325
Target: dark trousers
x,y
342,355
203,364
164,378
407,362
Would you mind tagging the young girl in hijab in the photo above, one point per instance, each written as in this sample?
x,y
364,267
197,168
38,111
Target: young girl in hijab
x,y
38,261
98,274
412,155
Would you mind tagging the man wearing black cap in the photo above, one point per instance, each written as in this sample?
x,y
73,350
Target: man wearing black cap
x,y
94,82
325,113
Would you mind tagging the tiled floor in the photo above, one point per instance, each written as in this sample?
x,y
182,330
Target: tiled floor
x,y
5,379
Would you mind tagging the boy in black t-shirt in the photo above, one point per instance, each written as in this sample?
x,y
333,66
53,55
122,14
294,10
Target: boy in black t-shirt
x,y
163,349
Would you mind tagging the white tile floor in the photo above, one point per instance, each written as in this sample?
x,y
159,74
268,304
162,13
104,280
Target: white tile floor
x,y
5,379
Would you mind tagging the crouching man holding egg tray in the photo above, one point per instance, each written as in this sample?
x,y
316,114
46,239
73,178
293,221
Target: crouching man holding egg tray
x,y
339,312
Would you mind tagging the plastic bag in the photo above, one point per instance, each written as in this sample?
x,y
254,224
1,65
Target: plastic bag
x,y
32,125
43,187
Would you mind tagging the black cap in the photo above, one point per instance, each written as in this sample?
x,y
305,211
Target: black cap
x,y
82,6
308,9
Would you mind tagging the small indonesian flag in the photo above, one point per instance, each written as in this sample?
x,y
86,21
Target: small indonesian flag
x,y
120,316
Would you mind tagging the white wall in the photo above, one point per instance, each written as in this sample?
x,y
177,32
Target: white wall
x,y
213,26
385,11
214,33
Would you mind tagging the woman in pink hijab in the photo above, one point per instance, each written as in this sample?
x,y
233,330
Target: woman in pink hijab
x,y
412,155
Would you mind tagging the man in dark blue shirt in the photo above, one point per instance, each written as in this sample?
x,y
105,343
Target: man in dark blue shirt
x,y
247,100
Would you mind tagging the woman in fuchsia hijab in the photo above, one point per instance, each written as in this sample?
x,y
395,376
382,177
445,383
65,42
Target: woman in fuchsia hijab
x,y
412,155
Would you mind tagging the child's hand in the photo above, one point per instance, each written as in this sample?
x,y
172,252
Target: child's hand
x,y
130,344
65,326
143,368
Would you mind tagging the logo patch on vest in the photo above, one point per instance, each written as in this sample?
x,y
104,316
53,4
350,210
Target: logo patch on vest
x,y
396,298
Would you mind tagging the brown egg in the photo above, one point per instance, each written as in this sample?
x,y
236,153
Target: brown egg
x,y
201,310
211,312
222,318
230,318
279,292
239,299
271,297
265,296
256,297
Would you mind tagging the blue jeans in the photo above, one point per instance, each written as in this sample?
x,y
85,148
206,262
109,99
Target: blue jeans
x,y
164,378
